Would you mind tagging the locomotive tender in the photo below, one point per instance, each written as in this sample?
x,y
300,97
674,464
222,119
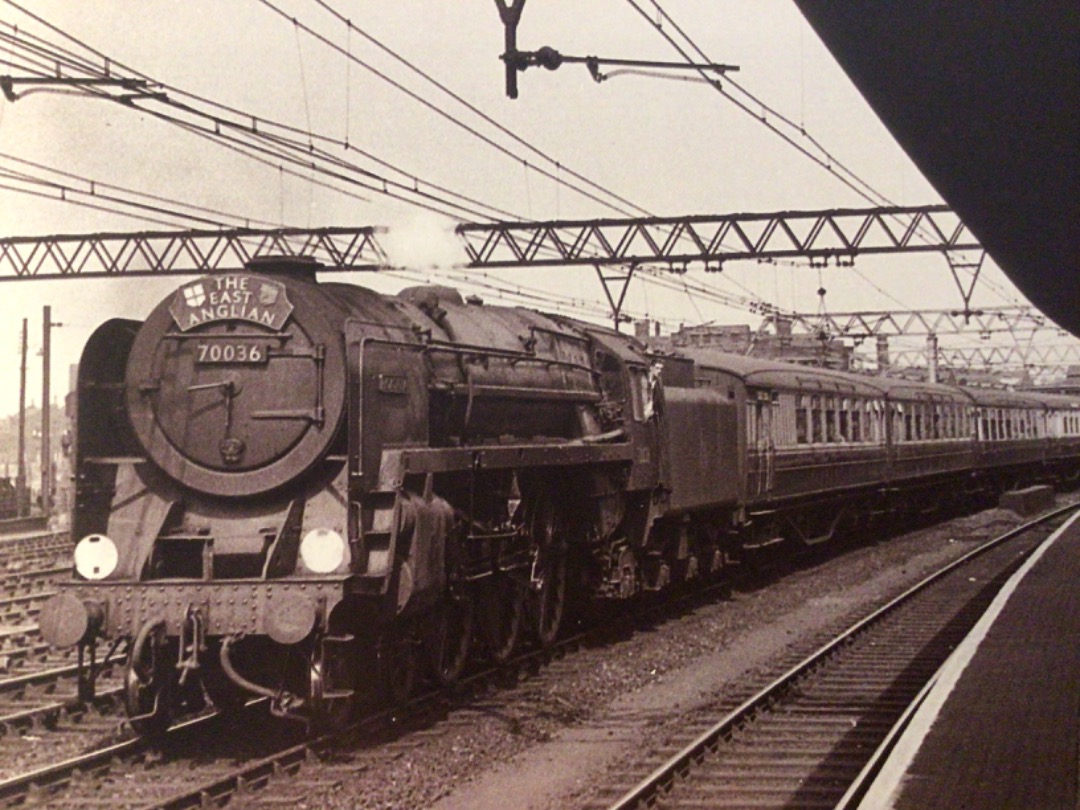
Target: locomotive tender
x,y
305,490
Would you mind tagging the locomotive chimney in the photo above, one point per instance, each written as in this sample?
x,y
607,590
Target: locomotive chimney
x,y
883,353
300,267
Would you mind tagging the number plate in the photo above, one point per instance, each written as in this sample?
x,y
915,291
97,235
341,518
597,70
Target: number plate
x,y
231,352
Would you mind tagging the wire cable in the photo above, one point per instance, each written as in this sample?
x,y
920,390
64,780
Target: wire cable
x,y
476,111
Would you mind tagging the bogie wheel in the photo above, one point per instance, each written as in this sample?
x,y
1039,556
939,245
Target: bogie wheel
x,y
397,656
149,682
448,640
502,611
548,591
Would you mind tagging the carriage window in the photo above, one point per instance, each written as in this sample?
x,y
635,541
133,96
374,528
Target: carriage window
x,y
802,435
830,420
856,421
816,416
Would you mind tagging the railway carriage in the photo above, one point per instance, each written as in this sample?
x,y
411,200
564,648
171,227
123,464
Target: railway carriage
x,y
313,492
1055,424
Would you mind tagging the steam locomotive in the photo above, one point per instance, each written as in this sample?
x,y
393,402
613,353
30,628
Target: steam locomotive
x,y
313,492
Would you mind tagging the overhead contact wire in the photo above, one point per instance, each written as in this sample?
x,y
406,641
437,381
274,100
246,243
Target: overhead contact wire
x,y
480,113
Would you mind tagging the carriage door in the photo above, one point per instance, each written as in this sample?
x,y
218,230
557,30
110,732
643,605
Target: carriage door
x,y
760,442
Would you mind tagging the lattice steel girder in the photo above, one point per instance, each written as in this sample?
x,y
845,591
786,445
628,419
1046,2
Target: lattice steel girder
x,y
984,321
991,357
183,252
837,233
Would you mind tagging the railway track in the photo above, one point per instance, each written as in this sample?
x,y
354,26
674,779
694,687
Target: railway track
x,y
29,563
803,740
296,763
48,700
129,771
173,773
22,649
24,544
38,686
14,526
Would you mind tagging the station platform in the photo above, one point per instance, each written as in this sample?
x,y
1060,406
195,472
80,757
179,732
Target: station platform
x,y
1000,728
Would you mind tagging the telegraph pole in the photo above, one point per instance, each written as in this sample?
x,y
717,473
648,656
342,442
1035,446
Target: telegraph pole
x,y
46,461
46,451
21,499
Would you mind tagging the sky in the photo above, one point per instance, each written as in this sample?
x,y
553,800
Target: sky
x,y
670,147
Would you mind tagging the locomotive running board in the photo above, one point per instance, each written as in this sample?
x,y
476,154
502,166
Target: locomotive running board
x,y
399,463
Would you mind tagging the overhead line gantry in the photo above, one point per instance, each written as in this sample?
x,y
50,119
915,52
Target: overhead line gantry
x,y
183,251
819,236
840,234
